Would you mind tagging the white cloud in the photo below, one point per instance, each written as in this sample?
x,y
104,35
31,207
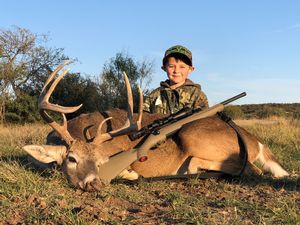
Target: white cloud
x,y
292,27
296,26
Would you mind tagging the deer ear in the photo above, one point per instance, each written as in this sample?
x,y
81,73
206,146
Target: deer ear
x,y
47,153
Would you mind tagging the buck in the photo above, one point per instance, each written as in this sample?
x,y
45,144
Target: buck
x,y
82,145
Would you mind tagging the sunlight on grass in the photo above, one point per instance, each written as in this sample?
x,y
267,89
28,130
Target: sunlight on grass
x,y
28,195
283,138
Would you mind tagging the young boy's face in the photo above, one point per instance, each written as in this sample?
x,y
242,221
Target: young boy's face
x,y
177,71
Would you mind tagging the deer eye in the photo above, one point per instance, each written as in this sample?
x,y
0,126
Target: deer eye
x,y
72,159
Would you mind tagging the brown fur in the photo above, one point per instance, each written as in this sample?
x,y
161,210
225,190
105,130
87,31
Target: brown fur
x,y
209,144
210,139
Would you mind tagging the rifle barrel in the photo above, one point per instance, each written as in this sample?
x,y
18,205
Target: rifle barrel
x,y
233,98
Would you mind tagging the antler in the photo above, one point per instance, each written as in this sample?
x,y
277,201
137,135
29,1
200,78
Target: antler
x,y
129,126
45,105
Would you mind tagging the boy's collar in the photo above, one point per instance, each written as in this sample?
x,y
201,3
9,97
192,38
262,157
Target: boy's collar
x,y
187,82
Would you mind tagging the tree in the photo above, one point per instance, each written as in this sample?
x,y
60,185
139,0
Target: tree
x,y
22,109
111,85
24,60
74,90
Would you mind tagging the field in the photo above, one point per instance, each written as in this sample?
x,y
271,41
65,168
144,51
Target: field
x,y
32,196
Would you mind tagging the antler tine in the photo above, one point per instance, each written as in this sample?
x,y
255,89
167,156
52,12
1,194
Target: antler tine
x,y
101,124
45,105
129,98
140,114
129,126
51,77
46,93
62,130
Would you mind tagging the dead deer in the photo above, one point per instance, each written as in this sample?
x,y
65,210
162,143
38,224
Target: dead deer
x,y
86,142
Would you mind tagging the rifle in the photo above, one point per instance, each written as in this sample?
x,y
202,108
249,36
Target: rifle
x,y
154,127
120,161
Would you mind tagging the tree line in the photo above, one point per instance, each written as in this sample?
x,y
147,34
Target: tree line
x,y
263,111
26,62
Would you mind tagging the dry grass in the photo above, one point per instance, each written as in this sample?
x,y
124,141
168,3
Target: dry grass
x,y
282,136
29,196
16,136
252,122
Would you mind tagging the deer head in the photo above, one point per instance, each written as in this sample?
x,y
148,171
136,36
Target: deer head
x,y
80,159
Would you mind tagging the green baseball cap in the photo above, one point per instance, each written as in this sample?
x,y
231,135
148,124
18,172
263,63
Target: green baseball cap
x,y
180,51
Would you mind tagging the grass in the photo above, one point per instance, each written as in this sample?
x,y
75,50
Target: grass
x,y
29,196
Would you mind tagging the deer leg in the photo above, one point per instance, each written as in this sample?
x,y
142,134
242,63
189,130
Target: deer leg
x,y
269,162
128,175
230,167
252,169
197,164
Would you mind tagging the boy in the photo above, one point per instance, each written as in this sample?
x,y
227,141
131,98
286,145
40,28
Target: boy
x,y
177,91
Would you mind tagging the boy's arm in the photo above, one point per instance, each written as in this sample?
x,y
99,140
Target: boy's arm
x,y
149,101
200,100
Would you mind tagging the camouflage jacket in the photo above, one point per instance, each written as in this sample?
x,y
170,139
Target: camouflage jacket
x,y
166,100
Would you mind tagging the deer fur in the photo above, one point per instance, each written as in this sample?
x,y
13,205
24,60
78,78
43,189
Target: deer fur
x,y
206,144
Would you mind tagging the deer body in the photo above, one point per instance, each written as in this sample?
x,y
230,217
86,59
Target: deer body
x,y
86,142
210,143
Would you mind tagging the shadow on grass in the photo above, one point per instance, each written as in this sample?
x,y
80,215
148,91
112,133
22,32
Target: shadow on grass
x,y
288,184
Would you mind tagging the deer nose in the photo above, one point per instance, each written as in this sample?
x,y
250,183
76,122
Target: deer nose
x,y
90,183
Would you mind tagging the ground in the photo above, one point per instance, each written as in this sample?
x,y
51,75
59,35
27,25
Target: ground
x,y
32,196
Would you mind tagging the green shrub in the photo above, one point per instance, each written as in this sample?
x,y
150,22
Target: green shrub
x,y
23,107
11,117
268,111
234,111
296,115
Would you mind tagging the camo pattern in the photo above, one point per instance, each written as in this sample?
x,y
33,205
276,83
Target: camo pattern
x,y
178,49
167,101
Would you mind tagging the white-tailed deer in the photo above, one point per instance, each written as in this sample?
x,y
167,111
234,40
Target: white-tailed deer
x,y
84,143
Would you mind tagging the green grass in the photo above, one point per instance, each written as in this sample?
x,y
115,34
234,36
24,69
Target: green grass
x,y
28,195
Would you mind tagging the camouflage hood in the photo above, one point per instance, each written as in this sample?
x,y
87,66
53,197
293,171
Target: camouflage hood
x,y
166,100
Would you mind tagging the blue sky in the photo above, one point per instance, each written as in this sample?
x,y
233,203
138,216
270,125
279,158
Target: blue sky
x,y
237,45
